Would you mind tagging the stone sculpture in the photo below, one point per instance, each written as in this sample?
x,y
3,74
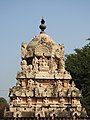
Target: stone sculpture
x,y
43,85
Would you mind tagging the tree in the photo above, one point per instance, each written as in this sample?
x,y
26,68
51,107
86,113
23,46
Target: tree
x,y
3,105
78,64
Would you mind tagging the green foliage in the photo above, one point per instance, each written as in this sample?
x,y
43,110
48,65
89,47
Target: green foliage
x,y
78,64
2,100
3,105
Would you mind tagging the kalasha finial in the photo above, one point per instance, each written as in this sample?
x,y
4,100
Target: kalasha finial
x,y
42,26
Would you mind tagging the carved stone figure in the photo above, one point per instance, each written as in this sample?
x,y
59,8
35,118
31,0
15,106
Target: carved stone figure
x,y
23,49
36,91
35,64
52,65
43,85
24,83
59,87
62,102
45,101
24,65
18,83
29,102
18,100
30,68
61,65
43,64
30,83
75,102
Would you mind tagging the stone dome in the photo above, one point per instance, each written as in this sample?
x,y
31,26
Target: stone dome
x,y
42,44
42,38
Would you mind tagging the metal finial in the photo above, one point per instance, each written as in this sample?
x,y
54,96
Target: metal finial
x,y
42,26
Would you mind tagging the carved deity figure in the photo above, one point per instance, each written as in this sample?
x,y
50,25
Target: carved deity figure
x,y
14,102
62,102
35,64
36,89
30,84
43,64
61,65
29,100
41,90
30,68
23,83
52,65
49,91
64,92
59,87
24,65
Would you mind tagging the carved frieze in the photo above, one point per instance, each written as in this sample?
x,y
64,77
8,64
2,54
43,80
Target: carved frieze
x,y
43,85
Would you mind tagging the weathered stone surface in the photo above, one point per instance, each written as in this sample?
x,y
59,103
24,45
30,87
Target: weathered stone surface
x,y
43,85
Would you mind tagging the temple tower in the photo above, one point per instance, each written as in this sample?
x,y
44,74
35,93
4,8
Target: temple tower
x,y
43,87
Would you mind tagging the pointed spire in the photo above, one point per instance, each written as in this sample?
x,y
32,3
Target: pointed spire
x,y
42,25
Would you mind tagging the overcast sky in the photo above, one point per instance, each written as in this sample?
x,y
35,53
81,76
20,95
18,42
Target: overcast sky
x,y
68,23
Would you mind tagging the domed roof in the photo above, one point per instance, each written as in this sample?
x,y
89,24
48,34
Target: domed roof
x,y
41,39
43,44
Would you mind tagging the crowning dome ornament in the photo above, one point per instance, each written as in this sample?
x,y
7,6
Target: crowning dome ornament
x,y
43,87
42,26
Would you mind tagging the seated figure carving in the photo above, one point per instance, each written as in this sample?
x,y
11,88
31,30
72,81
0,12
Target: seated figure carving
x,y
43,64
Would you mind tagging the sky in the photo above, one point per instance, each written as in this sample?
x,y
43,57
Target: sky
x,y
68,23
